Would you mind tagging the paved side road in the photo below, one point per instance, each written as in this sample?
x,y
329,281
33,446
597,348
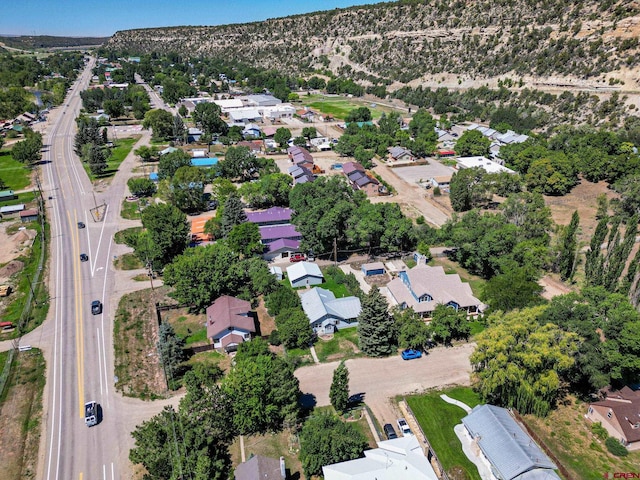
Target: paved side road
x,y
381,379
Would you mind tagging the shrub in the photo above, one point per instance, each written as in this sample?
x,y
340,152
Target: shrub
x,y
615,447
274,338
599,431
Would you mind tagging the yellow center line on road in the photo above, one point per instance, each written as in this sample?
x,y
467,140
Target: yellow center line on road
x,y
77,289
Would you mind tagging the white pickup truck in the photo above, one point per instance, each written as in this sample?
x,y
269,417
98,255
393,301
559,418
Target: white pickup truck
x,y
91,414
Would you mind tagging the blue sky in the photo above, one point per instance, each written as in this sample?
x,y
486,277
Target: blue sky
x,y
104,18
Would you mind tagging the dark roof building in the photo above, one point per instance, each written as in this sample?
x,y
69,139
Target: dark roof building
x,y
261,468
619,414
229,322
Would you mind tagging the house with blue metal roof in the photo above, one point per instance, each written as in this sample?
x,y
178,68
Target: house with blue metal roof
x,y
512,453
327,313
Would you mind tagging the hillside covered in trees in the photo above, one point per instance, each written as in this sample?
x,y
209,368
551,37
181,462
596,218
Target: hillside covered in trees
x,y
555,40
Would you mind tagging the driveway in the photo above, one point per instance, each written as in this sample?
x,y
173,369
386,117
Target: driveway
x,y
381,379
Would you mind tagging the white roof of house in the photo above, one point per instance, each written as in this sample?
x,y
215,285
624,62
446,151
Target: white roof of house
x,y
398,459
489,165
319,302
511,451
229,104
433,281
303,269
276,270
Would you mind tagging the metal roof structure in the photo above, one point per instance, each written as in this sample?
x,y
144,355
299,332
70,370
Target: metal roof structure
x,y
511,451
319,302
303,269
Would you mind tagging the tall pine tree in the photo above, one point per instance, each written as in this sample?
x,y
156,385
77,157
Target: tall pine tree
x,y
375,325
232,214
339,391
566,262
593,265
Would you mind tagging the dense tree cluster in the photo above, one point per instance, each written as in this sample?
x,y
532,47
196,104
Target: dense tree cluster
x,y
114,101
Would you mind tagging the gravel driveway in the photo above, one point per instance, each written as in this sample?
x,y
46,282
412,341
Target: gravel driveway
x,y
381,379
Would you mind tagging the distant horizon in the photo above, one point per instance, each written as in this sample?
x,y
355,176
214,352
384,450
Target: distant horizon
x,y
77,18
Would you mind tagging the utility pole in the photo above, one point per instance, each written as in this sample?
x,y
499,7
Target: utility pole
x,y
335,250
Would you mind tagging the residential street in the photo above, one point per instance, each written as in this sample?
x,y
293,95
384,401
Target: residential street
x,y
381,379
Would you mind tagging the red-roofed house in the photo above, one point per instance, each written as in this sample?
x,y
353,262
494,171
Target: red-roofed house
x,y
619,414
229,323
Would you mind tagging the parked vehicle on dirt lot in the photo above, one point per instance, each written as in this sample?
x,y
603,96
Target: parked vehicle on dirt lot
x,y
297,257
389,431
403,426
410,354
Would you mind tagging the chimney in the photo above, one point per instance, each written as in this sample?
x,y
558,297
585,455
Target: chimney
x,y
283,469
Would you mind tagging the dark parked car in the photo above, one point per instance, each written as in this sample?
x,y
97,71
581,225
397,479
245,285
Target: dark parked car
x,y
81,225
410,354
96,307
84,257
389,431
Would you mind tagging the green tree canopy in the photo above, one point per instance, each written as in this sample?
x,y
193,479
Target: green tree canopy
x,y
282,136
375,325
166,236
206,115
141,187
295,330
187,189
325,440
472,143
160,122
170,162
521,364
449,324
339,391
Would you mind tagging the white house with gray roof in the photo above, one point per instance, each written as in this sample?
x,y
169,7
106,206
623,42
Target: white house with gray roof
x,y
327,313
511,452
304,274
423,288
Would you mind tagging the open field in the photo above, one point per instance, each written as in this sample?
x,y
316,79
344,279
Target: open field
x,y
21,415
340,106
118,154
568,435
437,419
13,173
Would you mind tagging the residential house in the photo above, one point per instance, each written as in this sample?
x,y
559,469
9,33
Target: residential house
x,y
251,130
443,182
261,468
619,414
194,134
281,249
10,209
398,459
304,274
360,180
244,116
271,233
400,154
270,216
511,452
321,143
306,114
254,146
327,313
424,287
301,174
229,323
299,155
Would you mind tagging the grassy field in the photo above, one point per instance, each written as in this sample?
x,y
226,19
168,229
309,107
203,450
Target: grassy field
x,y
118,154
568,435
131,210
339,107
340,346
137,368
437,419
188,326
21,415
13,173
128,261
120,237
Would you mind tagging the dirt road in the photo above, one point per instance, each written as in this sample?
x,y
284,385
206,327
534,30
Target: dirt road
x,y
381,379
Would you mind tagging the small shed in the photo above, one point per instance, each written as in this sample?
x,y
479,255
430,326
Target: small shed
x,y
304,274
375,268
276,272
9,209
30,215
7,195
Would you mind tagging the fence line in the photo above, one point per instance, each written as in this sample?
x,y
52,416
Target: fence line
x,y
431,454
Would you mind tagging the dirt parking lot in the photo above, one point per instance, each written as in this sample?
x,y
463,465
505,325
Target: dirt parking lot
x,y
381,379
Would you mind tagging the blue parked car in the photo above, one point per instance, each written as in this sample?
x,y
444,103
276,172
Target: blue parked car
x,y
410,354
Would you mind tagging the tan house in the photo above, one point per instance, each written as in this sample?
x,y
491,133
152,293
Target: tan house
x,y
619,414
423,288
229,323
400,154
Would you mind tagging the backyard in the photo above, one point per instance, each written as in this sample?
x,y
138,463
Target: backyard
x,y
342,345
437,419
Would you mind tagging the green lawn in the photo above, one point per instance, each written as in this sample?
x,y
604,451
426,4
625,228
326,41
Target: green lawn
x,y
338,289
121,236
191,328
130,210
437,419
118,154
13,173
341,346
128,261
339,107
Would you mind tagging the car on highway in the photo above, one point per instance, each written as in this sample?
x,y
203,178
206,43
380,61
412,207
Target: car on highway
x,y
389,431
297,257
84,257
403,426
81,225
410,354
96,307
91,413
